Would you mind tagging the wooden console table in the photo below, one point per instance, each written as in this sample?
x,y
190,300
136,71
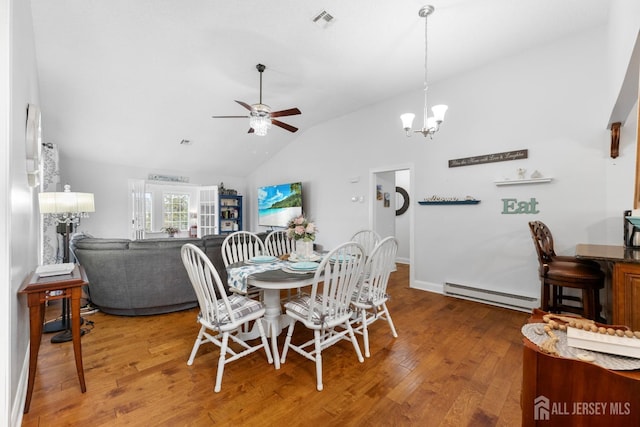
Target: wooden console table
x,y
569,392
623,287
39,290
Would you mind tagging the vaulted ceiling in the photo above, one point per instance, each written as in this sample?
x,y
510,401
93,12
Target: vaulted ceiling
x,y
125,81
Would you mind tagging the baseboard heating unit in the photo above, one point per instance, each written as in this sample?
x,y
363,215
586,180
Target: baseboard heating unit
x,y
500,299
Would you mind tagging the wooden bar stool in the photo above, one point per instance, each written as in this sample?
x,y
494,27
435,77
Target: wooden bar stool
x,y
558,272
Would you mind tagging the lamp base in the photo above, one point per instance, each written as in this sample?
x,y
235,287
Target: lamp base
x,y
65,336
54,326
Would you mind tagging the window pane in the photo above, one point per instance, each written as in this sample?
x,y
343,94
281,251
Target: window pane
x,y
175,208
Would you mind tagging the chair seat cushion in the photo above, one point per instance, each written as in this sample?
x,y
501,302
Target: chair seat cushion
x,y
368,297
567,258
573,272
300,306
241,307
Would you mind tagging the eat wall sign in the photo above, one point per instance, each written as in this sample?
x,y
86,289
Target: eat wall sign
x,y
515,206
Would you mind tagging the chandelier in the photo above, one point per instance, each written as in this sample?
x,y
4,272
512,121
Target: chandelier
x,y
431,124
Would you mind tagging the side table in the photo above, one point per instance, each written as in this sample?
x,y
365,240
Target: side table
x,y
39,290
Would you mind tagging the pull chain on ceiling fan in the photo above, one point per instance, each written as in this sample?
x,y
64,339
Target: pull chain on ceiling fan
x,y
260,115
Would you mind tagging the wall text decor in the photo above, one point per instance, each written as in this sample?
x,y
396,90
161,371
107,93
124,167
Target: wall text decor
x,y
513,206
489,158
168,178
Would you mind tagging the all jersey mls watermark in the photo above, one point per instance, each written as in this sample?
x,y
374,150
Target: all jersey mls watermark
x,y
544,409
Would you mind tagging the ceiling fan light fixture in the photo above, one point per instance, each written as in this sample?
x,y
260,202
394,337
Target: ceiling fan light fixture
x,y
260,119
260,123
260,116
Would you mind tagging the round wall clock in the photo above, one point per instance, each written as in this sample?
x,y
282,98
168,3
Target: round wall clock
x,y
401,192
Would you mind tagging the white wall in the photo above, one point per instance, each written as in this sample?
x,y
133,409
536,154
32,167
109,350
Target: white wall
x,y
551,101
6,316
624,29
21,224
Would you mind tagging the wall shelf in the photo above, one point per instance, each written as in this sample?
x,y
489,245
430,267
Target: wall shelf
x,y
523,181
449,202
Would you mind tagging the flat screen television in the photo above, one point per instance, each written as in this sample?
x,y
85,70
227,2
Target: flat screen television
x,y
277,204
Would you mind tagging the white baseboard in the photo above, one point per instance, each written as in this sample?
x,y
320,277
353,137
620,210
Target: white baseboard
x,y
437,288
17,406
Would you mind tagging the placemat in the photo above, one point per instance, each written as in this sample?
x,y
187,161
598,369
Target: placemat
x,y
605,360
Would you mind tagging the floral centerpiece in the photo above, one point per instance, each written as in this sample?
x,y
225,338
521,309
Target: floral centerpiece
x,y
303,232
300,228
171,231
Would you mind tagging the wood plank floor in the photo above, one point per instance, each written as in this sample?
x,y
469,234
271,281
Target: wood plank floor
x,y
455,363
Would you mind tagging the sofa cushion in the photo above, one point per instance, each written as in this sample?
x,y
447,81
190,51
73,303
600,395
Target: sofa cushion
x,y
101,244
167,243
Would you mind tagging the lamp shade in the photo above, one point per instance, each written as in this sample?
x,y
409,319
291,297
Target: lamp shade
x,y
439,112
407,120
65,202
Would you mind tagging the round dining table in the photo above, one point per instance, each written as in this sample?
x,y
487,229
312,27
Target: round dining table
x,y
272,282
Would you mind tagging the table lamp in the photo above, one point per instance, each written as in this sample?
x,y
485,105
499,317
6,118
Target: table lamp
x,y
67,207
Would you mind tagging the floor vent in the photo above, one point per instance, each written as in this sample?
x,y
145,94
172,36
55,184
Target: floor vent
x,y
500,299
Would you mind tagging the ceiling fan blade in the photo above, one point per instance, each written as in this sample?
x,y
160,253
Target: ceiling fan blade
x,y
284,125
289,112
229,117
245,105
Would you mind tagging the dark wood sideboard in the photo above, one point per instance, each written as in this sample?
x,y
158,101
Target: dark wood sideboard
x,y
622,265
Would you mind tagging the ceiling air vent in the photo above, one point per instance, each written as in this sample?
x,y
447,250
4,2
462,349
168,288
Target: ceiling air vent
x,y
323,19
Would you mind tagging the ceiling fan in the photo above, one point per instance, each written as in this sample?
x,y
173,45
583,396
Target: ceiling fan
x,y
260,115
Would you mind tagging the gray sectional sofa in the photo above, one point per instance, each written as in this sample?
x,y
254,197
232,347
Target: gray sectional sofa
x,y
142,277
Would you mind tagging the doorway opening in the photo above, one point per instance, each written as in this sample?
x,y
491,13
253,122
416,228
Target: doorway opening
x,y
391,212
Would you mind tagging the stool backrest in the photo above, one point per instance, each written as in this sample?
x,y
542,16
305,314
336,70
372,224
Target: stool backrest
x,y
543,241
